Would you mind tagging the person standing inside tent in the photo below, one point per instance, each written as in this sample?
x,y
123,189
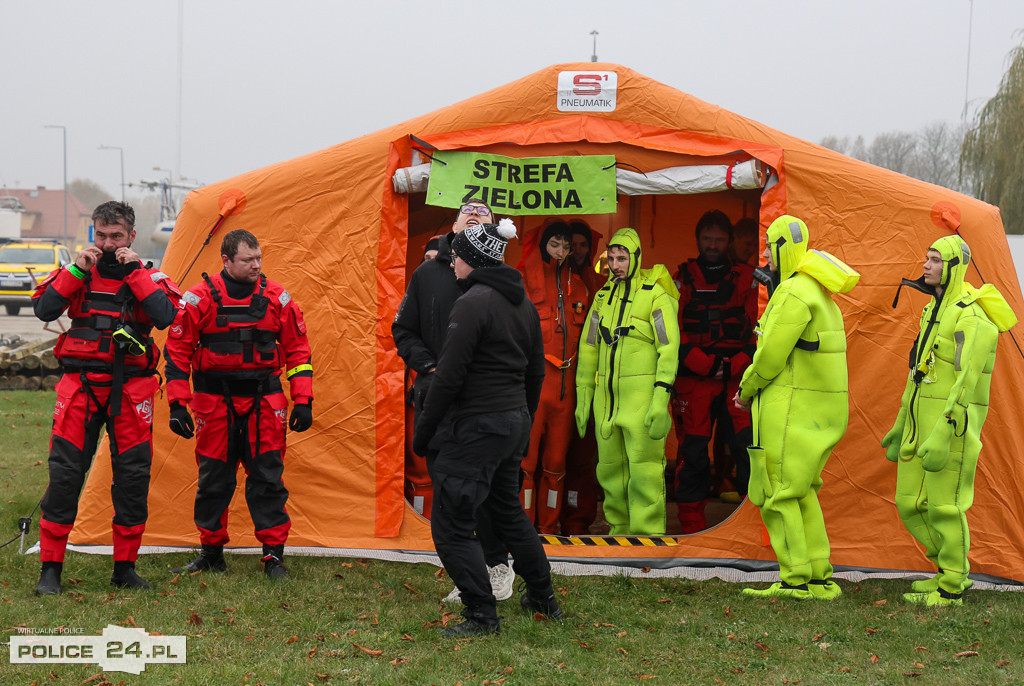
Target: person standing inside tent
x,y
717,310
936,438
476,419
797,383
561,301
627,364
109,363
419,330
234,332
581,489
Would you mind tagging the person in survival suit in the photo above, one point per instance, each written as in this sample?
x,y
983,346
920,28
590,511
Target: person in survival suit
x,y
717,309
797,382
234,332
109,379
561,299
936,438
476,421
419,331
627,364
581,489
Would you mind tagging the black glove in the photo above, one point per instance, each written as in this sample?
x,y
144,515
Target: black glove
x,y
302,417
181,422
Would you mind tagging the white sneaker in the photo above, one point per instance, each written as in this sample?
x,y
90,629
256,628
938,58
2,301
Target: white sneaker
x,y
502,577
453,597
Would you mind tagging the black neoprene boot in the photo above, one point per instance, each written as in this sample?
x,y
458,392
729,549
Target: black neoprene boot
x,y
211,558
49,579
124,576
478,623
544,603
273,562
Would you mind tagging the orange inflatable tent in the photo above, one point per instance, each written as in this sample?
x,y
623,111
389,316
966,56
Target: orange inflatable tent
x,y
343,241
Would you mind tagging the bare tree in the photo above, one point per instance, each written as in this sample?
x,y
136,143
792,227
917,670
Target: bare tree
x,y
937,157
894,150
992,161
89,193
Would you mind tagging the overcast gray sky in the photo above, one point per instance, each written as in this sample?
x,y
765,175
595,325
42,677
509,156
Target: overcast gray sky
x,y
267,81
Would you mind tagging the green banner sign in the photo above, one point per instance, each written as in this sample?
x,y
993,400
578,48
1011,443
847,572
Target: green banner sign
x,y
529,185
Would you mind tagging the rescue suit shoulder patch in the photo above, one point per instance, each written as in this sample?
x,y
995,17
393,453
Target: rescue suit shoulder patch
x,y
158,277
284,298
189,298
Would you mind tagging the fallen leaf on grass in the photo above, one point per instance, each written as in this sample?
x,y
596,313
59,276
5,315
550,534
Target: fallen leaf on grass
x,y
824,646
644,677
921,649
195,619
844,669
664,600
911,674
874,658
311,654
407,637
791,681
323,677
870,630
368,651
817,637
398,661
131,621
388,594
762,646
919,665
586,645
352,632
737,671
93,678
411,589
967,653
489,682
728,612
731,637
622,650
291,639
717,680
880,603
540,617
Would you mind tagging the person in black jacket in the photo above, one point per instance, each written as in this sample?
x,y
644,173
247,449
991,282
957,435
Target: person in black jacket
x,y
477,416
418,330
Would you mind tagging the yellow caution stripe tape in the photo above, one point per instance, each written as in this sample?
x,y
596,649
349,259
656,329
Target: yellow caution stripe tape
x,y
622,541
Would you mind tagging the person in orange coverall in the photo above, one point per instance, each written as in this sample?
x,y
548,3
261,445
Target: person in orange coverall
x,y
561,299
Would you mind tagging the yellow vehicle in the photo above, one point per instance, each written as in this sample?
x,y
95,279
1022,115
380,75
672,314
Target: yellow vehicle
x,y
22,264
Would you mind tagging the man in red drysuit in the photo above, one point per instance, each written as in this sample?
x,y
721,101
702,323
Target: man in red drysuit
x,y
717,311
109,379
234,332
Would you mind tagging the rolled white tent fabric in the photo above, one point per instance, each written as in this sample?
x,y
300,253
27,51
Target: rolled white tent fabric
x,y
706,178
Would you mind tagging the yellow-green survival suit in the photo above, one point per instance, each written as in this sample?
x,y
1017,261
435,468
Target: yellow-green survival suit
x,y
629,353
797,383
936,438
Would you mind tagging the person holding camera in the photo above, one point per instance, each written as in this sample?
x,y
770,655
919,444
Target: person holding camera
x,y
234,332
109,363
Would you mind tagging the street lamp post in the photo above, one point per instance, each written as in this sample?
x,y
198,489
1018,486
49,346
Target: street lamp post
x,y
64,132
120,150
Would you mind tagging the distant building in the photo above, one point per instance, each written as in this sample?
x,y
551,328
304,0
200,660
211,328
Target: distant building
x,y
43,215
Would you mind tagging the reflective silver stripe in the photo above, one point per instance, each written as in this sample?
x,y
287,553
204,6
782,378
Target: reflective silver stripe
x,y
838,265
794,228
595,323
189,298
958,336
967,253
659,327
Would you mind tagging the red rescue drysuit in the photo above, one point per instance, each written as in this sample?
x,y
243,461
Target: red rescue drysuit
x,y
561,299
234,349
105,383
716,332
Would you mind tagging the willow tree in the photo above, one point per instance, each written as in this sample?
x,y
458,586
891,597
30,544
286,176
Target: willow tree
x,y
992,159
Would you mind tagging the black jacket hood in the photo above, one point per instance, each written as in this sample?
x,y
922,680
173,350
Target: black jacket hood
x,y
503,278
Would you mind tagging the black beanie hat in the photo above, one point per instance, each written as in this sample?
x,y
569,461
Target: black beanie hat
x,y
483,245
432,244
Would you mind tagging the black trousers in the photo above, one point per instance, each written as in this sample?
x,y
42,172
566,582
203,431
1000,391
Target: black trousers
x,y
477,471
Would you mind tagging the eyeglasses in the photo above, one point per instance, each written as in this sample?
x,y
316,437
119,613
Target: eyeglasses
x,y
470,209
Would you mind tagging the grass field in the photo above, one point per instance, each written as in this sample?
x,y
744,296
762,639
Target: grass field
x,y
371,622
